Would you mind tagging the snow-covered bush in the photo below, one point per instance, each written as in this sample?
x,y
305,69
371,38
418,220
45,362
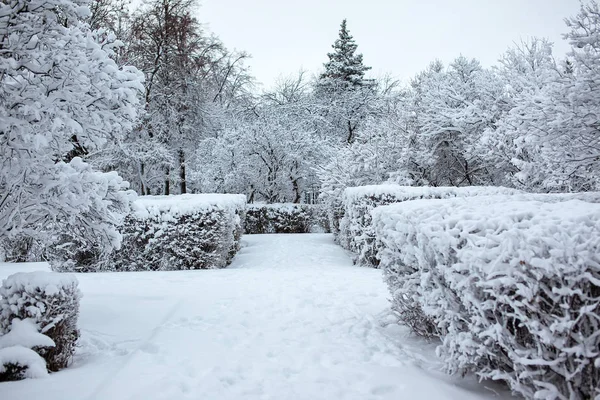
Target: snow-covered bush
x,y
511,285
355,229
190,231
50,301
284,218
18,362
17,359
61,95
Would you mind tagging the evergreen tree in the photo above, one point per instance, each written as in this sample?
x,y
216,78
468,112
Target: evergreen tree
x,y
345,68
343,94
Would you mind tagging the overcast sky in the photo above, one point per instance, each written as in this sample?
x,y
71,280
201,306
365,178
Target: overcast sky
x,y
400,37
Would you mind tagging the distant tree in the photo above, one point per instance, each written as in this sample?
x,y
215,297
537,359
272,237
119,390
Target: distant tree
x,y
343,94
345,68
191,79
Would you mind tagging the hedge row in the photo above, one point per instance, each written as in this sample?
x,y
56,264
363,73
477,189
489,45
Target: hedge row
x,y
510,285
285,218
193,231
355,228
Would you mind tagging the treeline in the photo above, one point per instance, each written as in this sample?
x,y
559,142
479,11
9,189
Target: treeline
x,y
95,95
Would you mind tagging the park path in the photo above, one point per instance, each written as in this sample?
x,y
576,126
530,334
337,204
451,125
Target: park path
x,y
291,318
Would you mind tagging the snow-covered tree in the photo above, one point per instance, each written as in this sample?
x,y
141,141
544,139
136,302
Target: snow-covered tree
x,y
452,108
345,68
61,95
191,79
343,94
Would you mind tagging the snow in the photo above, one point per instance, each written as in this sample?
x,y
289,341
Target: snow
x,y
36,365
403,193
7,269
183,204
291,318
31,282
25,333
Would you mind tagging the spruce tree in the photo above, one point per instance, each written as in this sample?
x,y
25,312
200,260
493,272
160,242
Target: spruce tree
x,y
345,68
344,94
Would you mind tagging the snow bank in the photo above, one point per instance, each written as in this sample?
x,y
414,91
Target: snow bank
x,y
356,232
49,300
18,362
511,286
285,218
190,231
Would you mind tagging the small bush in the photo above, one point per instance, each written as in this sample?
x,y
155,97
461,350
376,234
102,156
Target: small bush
x,y
18,362
49,299
182,232
509,284
284,218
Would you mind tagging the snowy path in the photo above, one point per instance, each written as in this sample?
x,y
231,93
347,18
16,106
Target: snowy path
x,y
290,319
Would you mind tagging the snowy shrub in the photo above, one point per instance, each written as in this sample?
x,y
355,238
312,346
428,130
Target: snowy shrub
x,y
355,228
49,300
18,362
510,284
190,231
284,218
61,95
17,359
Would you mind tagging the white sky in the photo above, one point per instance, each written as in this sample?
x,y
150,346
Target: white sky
x,y
400,37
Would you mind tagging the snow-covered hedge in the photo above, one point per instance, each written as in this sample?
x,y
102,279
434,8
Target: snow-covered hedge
x,y
190,231
510,285
48,300
355,229
285,218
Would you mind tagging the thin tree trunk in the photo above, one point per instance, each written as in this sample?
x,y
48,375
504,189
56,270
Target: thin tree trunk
x,y
143,186
167,182
182,181
296,188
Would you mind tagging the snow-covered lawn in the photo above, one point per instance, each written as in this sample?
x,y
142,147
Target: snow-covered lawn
x,y
291,318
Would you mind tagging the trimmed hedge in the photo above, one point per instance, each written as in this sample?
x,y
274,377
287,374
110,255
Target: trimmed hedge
x,y
510,285
51,301
285,218
193,231
355,227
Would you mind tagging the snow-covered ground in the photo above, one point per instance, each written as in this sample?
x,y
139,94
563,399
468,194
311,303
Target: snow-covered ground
x,y
292,318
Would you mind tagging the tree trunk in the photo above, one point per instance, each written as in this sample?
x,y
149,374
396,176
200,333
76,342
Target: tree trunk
x,y
296,188
142,185
167,182
182,182
350,137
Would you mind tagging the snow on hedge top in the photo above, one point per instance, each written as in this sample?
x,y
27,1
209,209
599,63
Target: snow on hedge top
x,y
403,193
185,204
50,283
278,206
510,221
